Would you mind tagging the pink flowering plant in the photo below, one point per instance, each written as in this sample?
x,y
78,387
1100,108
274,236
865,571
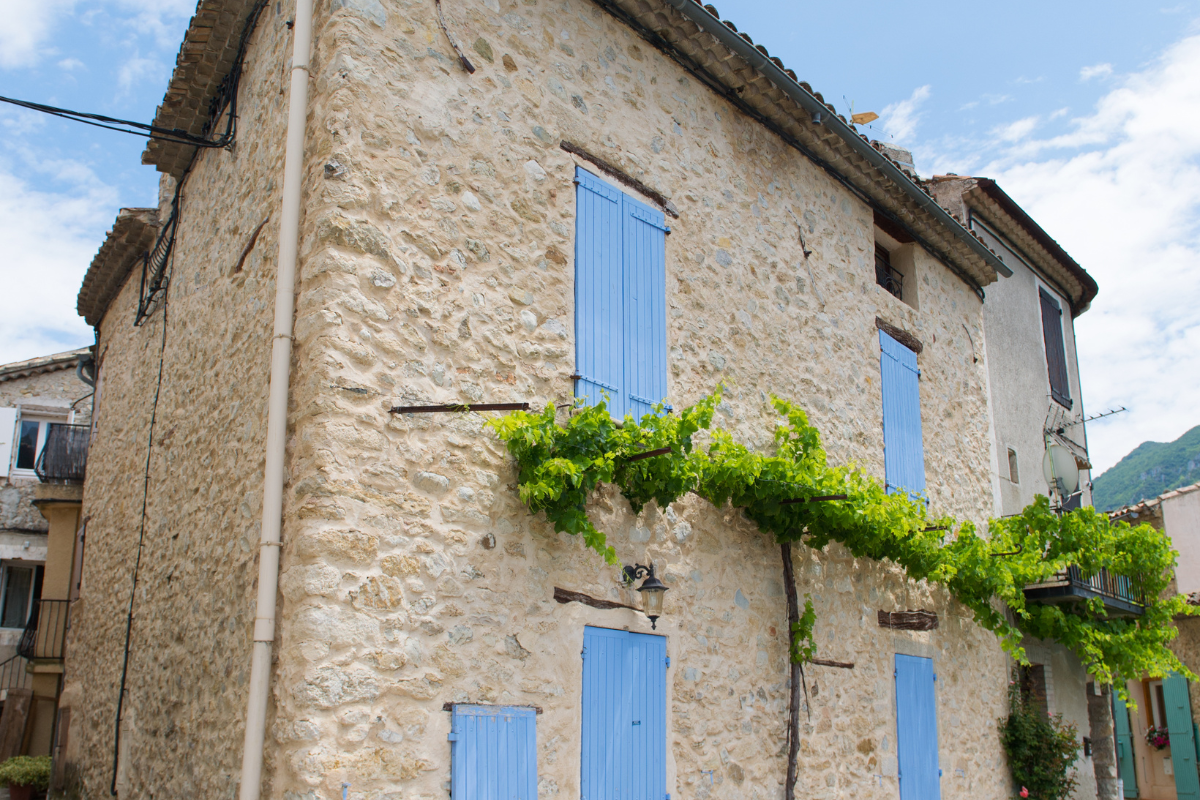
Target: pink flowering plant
x,y
1157,737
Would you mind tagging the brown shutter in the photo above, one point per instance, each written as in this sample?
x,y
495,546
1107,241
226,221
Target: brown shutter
x,y
1056,356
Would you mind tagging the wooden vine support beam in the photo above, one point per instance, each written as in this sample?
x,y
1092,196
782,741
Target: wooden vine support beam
x,y
459,407
812,499
567,596
793,611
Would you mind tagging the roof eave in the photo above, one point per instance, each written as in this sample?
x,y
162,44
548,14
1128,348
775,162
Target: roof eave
x,y
810,103
1089,287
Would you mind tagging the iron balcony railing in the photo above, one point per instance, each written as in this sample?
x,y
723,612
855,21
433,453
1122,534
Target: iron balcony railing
x,y
1122,596
45,634
14,674
889,279
64,456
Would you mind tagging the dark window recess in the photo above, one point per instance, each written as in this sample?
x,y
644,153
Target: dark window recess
x,y
1033,686
1056,355
18,582
885,275
27,445
1013,475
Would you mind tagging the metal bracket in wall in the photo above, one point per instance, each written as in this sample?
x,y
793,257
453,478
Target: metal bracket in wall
x,y
460,407
819,499
662,451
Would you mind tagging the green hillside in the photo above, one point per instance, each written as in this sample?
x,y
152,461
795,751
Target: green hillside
x,y
1151,469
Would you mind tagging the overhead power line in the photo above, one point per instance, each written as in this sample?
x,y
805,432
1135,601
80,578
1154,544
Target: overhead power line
x,y
119,125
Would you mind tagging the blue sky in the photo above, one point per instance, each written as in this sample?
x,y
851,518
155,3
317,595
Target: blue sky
x,y
1087,113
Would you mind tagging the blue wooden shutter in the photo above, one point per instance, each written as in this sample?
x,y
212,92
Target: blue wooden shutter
x,y
1056,352
624,720
493,753
1179,728
1125,760
645,256
916,729
903,447
599,307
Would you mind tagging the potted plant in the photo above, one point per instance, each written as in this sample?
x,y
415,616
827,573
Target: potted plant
x,y
25,776
1158,737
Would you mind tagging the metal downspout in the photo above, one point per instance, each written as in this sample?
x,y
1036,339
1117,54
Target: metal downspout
x,y
713,26
277,408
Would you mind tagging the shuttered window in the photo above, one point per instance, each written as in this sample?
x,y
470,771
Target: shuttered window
x,y
1125,753
916,729
1056,354
1178,709
493,753
624,736
903,447
620,299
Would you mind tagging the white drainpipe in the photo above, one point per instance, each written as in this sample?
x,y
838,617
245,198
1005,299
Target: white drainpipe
x,y
277,409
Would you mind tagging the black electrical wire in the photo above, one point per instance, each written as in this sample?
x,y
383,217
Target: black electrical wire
x,y
162,256
225,100
137,564
99,120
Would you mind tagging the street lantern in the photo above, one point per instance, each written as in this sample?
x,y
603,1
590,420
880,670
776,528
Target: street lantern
x,y
651,590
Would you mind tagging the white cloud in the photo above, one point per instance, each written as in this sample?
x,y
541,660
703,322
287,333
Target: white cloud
x,y
1121,193
136,69
50,236
70,64
900,118
1096,71
1016,131
26,29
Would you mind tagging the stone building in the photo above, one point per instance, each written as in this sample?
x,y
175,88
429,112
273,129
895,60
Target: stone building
x,y
45,410
475,175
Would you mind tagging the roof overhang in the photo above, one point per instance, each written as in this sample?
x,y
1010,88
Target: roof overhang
x,y
206,57
42,364
983,197
745,74
132,235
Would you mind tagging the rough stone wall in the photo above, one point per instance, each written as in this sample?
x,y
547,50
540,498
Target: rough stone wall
x,y
190,651
437,267
58,389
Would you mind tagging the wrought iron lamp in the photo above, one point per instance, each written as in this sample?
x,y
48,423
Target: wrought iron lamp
x,y
651,590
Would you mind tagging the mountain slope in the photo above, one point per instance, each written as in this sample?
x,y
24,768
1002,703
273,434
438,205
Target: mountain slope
x,y
1151,469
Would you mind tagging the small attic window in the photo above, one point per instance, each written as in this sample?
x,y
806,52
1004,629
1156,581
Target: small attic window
x,y
885,275
1013,475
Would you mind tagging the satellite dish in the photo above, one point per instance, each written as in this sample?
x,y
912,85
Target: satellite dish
x,y
1060,470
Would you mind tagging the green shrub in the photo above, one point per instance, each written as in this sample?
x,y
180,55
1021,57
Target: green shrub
x,y
26,771
1041,749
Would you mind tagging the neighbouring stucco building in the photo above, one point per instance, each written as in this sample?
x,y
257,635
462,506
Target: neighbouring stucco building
x,y
1036,402
1173,703
623,195
45,411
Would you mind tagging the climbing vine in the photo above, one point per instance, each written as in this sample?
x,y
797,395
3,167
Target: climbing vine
x,y
787,495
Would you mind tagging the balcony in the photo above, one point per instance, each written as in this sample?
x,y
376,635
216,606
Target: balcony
x,y
14,674
1122,596
64,456
45,635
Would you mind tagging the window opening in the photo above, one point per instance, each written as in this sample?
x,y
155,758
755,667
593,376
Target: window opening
x,y
1012,466
1056,352
885,275
1158,704
33,435
20,585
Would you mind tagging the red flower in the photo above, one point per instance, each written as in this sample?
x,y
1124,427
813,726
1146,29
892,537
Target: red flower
x,y
1024,792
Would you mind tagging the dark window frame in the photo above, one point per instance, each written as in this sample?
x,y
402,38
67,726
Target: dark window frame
x,y
1056,348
